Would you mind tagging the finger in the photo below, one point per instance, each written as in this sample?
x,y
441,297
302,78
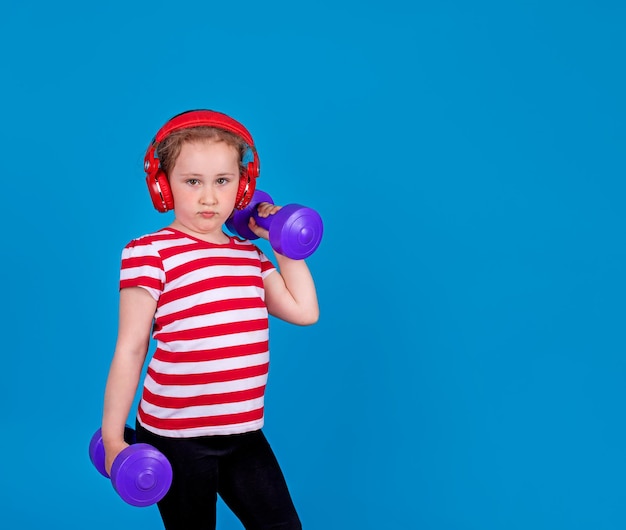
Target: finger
x,y
265,209
257,230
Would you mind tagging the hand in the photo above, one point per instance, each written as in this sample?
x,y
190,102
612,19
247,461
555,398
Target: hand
x,y
264,210
111,451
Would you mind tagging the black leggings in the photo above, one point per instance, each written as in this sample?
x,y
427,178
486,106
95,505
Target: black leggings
x,y
241,468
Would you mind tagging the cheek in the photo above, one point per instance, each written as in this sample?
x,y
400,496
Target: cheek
x,y
232,188
181,193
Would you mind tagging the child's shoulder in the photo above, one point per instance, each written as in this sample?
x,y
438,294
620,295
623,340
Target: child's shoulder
x,y
164,234
239,242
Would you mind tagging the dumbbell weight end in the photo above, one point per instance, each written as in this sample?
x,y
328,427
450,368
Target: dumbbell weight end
x,y
141,475
300,233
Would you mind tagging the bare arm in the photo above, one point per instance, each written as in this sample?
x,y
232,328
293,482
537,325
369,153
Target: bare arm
x,y
289,294
137,310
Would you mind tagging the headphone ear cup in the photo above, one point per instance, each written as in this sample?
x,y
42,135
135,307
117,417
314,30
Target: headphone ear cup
x,y
241,191
160,192
245,191
166,191
253,167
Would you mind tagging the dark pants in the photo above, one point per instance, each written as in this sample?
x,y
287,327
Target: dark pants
x,y
241,468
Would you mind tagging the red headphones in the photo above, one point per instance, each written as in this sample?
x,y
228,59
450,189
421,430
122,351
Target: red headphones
x,y
158,185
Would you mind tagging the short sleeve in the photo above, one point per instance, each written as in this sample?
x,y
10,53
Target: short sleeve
x,y
142,266
267,267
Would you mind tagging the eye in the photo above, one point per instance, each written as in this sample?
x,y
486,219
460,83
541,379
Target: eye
x,y
222,180
192,182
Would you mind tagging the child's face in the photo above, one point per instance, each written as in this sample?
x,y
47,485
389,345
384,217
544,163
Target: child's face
x,y
204,183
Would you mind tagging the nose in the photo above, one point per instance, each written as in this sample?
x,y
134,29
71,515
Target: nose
x,y
208,196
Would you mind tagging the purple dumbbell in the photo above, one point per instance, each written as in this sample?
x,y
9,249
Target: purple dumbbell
x,y
295,230
140,474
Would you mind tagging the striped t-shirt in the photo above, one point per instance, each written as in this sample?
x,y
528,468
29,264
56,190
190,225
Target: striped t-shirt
x,y
209,370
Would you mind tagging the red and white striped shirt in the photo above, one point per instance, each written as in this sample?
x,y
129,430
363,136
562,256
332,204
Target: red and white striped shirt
x,y
209,370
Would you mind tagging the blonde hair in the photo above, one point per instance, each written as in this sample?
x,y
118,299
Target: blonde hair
x,y
168,149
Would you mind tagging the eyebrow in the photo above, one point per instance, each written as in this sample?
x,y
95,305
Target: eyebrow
x,y
192,174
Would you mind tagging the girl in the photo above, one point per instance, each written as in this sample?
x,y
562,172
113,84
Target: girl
x,y
205,296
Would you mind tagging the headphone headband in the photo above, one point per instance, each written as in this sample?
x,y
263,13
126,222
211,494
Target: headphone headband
x,y
203,118
158,185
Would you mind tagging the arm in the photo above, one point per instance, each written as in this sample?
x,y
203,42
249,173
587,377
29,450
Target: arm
x,y
289,294
137,310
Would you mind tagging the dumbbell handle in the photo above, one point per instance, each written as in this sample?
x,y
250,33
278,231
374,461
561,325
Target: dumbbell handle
x,y
96,449
263,222
238,223
140,474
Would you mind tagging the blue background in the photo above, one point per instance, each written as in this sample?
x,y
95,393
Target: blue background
x,y
468,161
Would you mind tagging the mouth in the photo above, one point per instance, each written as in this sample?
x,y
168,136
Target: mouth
x,y
208,215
